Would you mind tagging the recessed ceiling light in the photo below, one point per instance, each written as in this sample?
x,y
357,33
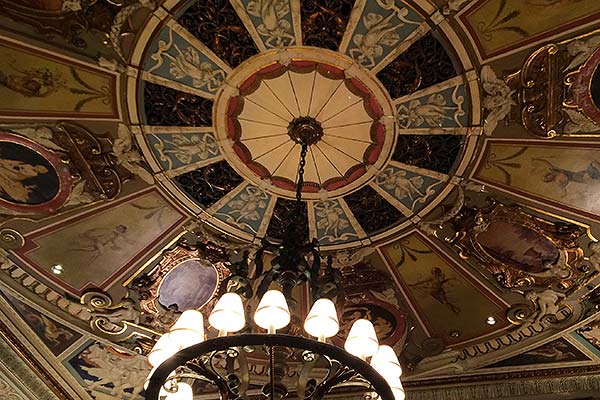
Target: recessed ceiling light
x,y
490,320
57,269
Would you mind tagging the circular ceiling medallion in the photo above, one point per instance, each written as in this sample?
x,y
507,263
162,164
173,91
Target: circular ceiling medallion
x,y
275,101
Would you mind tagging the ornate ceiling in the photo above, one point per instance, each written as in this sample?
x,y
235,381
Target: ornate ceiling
x,y
452,175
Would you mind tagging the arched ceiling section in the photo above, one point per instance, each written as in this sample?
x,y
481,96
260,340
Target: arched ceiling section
x,y
454,180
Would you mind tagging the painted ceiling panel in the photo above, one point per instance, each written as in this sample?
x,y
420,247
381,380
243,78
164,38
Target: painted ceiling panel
x,y
451,175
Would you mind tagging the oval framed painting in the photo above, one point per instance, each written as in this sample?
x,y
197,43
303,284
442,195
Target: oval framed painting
x,y
33,180
189,285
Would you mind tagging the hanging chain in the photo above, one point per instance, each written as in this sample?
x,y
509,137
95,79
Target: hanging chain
x,y
301,173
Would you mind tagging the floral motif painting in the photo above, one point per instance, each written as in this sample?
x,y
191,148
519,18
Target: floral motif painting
x,y
541,171
502,25
56,336
37,84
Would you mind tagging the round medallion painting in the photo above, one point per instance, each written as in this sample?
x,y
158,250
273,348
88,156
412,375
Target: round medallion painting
x,y
25,176
189,285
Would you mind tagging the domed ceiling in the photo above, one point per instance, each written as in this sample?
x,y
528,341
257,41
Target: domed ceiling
x,y
452,173
376,147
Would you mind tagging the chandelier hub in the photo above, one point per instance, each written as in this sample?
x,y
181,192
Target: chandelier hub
x,y
305,130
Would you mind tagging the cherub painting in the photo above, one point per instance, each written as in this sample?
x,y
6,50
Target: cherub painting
x,y
32,82
563,177
437,285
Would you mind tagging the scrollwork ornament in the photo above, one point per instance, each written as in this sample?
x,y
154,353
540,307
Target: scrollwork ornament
x,y
517,314
96,300
108,318
11,239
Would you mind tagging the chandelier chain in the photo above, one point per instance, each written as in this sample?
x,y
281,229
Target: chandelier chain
x,y
301,166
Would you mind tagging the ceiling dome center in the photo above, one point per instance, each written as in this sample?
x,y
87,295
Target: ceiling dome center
x,y
276,101
305,130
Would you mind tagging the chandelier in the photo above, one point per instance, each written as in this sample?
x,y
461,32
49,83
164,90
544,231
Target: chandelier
x,y
183,357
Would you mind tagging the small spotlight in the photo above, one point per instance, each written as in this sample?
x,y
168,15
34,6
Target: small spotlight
x,y
57,269
491,321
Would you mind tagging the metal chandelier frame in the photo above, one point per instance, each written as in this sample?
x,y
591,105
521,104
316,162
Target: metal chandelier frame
x,y
223,361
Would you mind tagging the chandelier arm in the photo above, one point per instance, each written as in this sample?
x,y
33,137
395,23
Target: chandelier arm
x,y
244,371
197,365
310,359
360,367
341,375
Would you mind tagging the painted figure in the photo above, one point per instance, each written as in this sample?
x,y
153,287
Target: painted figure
x,y
556,351
32,82
185,148
97,240
55,334
273,23
380,32
331,219
121,371
13,173
433,113
498,99
248,207
436,286
187,62
564,177
402,186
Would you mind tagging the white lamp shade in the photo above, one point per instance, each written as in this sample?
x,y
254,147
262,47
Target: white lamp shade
x,y
189,329
397,388
163,349
322,320
184,392
228,314
272,312
398,394
362,340
386,362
